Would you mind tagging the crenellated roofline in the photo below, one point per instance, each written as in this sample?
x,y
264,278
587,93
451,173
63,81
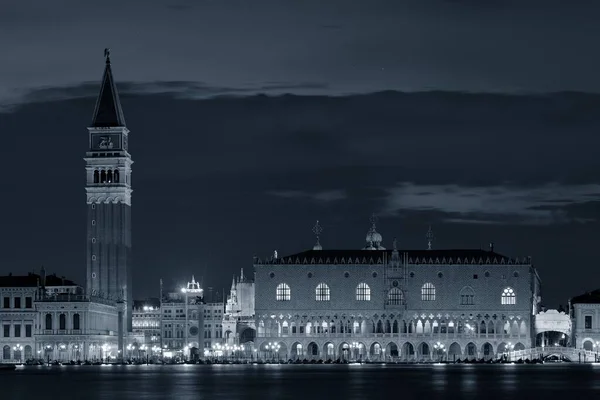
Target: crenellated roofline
x,y
373,257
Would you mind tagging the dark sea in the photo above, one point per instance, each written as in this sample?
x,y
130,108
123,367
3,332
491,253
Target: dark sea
x,y
305,382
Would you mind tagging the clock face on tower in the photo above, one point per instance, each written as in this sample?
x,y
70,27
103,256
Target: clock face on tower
x,y
109,141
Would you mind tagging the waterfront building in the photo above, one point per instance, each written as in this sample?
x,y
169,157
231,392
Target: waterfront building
x,y
239,319
373,303
18,316
146,323
50,318
213,325
108,197
182,322
585,316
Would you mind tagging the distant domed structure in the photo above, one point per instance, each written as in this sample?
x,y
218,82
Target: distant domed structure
x,y
374,238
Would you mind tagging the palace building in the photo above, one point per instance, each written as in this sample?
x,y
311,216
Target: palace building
x,y
379,304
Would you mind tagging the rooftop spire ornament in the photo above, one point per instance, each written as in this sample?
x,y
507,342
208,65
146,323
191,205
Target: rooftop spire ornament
x,y
430,238
317,231
107,55
373,220
374,238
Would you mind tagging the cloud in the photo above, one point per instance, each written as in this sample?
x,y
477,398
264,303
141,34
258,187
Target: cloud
x,y
324,196
176,89
502,204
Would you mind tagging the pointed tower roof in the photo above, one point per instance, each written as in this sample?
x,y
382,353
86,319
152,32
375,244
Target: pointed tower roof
x,y
108,111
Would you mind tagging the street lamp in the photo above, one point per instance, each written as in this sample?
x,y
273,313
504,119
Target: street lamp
x,y
18,348
354,346
105,348
510,346
439,350
274,348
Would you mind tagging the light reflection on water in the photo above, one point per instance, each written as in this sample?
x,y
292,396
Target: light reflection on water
x,y
304,382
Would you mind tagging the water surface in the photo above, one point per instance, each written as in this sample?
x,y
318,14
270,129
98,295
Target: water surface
x,y
306,382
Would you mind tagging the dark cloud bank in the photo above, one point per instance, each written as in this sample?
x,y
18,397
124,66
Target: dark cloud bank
x,y
220,176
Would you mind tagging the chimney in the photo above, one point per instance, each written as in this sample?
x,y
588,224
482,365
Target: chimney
x,y
43,276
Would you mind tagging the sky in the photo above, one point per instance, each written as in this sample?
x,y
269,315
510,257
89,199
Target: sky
x,y
251,120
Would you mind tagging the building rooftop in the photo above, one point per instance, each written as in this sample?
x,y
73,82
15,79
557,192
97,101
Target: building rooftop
x,y
370,257
592,297
150,302
33,280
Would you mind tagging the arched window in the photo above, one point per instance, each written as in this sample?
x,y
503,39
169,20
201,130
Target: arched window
x,y
103,177
322,292
6,352
96,176
283,292
428,292
28,352
467,296
363,292
48,321
109,176
508,296
62,322
116,176
395,297
76,322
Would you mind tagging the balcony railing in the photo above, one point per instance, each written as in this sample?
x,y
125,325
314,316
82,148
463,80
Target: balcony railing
x,y
70,298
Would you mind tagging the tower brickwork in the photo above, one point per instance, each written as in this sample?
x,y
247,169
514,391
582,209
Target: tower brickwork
x,y
108,196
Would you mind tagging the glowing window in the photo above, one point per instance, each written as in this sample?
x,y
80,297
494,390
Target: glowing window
x,y
283,292
508,296
322,292
395,297
428,292
363,292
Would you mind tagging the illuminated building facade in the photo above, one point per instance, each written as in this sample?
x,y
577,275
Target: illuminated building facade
x,y
585,316
373,303
50,318
146,323
238,321
213,324
182,322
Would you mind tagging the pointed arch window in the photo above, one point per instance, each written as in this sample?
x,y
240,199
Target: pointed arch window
x,y
96,176
322,292
508,296
103,176
428,292
116,176
109,176
363,292
283,292
395,297
467,296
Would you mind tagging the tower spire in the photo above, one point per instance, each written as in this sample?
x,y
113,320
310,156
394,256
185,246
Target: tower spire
x,y
430,238
317,231
108,112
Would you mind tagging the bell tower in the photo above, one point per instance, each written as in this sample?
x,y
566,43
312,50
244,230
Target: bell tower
x,y
108,189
